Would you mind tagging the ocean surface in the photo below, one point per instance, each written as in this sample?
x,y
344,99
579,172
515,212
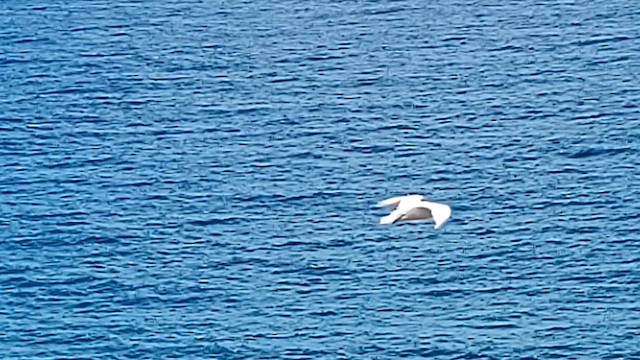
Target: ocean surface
x,y
197,179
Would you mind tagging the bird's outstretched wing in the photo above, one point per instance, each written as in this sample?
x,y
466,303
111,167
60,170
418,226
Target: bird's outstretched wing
x,y
395,201
440,212
392,218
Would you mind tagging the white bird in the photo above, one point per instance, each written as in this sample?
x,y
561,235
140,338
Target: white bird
x,y
412,208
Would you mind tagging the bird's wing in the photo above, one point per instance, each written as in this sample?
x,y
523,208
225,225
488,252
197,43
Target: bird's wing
x,y
395,201
391,218
440,212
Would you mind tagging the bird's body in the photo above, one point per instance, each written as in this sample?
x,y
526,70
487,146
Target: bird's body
x,y
413,208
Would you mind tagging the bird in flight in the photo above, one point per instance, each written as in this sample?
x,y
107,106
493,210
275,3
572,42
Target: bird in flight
x,y
413,208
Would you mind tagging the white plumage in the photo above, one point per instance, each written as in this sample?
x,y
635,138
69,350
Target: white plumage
x,y
413,208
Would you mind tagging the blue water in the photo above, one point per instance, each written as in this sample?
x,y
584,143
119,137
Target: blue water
x,y
196,179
